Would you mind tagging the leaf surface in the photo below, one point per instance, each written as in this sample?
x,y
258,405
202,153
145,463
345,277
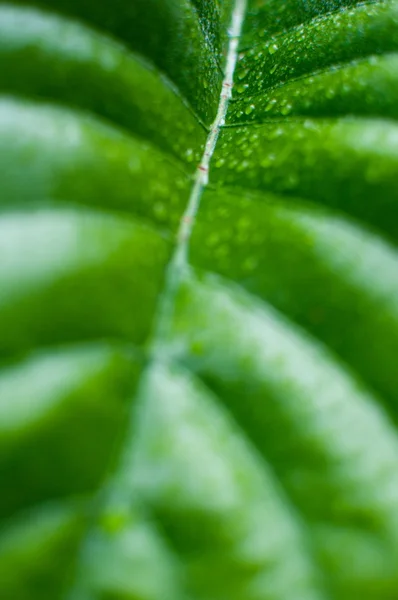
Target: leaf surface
x,y
198,381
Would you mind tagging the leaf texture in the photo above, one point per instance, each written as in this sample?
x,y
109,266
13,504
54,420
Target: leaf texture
x,y
247,449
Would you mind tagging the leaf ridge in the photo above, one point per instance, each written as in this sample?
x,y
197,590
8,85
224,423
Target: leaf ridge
x,y
345,35
319,426
227,438
346,5
305,77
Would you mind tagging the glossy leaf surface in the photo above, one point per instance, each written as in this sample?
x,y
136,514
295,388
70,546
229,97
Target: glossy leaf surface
x,y
245,448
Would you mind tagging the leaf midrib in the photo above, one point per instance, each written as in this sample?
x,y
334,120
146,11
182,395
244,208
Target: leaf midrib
x,y
178,264
179,261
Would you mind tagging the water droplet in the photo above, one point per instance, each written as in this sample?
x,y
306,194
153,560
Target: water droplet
x,y
249,109
286,110
242,166
270,105
239,88
219,163
267,160
243,74
309,124
275,133
273,48
248,151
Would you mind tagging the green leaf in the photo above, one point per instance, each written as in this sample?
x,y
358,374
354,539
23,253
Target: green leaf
x,y
199,300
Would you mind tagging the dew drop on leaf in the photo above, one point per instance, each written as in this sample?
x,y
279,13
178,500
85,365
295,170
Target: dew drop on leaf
x,y
189,155
240,87
267,160
242,166
247,152
243,74
270,105
286,110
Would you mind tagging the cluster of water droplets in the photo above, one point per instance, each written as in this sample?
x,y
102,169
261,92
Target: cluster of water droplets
x,y
231,232
310,69
307,48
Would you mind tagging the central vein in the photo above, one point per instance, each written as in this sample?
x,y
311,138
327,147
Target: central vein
x,y
178,264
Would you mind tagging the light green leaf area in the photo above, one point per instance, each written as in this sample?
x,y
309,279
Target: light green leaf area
x,y
246,448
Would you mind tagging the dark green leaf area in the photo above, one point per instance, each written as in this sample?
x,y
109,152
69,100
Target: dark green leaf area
x,y
367,87
173,41
38,551
309,417
71,158
334,39
71,275
350,164
44,55
327,273
54,408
